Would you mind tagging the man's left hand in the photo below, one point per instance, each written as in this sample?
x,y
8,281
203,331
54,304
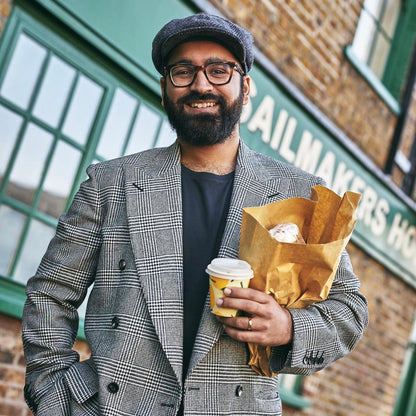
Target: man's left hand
x,y
264,322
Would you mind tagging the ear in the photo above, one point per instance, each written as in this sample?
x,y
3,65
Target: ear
x,y
246,89
162,89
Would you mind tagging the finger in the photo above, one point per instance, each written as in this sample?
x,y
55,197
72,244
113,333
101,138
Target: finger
x,y
244,305
247,293
246,336
243,323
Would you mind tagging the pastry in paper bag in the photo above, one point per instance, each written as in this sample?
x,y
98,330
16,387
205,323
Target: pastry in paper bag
x,y
296,274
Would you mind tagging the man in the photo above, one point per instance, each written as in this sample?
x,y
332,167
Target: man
x,y
143,228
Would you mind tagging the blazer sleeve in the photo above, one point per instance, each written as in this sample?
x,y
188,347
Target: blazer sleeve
x,y
327,330
50,318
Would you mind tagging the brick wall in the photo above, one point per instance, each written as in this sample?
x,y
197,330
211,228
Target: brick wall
x,y
13,367
365,382
305,40
4,12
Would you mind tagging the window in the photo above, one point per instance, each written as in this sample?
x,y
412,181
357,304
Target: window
x,y
382,47
59,112
374,34
383,51
405,403
291,391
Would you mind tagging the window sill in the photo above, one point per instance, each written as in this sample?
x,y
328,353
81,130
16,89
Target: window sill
x,y
12,300
12,297
292,399
373,81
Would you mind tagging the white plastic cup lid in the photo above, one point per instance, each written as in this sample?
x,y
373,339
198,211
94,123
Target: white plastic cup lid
x,y
230,269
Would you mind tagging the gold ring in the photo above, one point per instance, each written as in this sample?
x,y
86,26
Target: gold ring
x,y
249,324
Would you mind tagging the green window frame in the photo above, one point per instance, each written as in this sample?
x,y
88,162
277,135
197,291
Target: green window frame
x,y
385,58
119,98
374,34
60,104
405,404
291,391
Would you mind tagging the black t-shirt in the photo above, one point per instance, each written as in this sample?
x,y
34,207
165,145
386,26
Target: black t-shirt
x,y
205,202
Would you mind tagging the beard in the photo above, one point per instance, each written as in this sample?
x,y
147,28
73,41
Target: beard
x,y
204,129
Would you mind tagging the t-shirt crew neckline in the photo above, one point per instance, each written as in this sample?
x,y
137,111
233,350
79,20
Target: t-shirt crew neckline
x,y
208,174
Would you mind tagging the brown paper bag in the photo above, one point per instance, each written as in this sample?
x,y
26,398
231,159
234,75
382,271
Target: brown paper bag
x,y
296,274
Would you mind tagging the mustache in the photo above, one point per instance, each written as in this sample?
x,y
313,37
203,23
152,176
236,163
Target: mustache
x,y
194,96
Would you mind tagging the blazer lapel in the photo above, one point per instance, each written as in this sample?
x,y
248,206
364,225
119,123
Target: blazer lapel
x,y
253,186
154,210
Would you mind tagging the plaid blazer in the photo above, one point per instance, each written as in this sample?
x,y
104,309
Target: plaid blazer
x,y
123,235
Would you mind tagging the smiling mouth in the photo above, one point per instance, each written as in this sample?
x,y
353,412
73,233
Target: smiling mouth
x,y
202,105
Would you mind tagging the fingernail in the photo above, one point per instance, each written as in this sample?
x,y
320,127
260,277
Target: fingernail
x,y
219,302
227,291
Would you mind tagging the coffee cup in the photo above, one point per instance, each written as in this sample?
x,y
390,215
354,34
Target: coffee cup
x,y
226,272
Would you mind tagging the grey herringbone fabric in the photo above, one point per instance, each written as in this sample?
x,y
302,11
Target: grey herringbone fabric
x,y
123,235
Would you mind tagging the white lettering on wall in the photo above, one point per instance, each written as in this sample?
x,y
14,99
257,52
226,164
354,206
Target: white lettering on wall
x,y
285,151
327,167
379,221
397,232
409,243
279,128
308,152
367,205
357,185
402,237
311,156
373,211
263,118
342,179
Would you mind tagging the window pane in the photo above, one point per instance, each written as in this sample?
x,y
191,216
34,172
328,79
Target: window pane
x,y
166,136
390,17
82,110
11,225
59,179
364,34
379,58
288,381
374,7
117,125
27,169
54,91
23,71
144,131
10,125
34,248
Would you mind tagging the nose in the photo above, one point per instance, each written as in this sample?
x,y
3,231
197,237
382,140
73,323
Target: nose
x,y
201,82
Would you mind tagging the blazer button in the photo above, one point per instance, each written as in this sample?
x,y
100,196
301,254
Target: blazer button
x,y
114,322
122,264
239,391
112,387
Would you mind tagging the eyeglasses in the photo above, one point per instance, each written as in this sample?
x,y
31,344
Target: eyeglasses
x,y
217,73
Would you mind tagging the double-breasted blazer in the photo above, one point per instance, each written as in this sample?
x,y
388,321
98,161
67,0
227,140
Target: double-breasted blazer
x,y
122,237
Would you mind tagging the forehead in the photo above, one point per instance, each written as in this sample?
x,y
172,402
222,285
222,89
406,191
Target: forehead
x,y
199,52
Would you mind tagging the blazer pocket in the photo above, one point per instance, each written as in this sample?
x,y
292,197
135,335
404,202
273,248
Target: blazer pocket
x,y
82,380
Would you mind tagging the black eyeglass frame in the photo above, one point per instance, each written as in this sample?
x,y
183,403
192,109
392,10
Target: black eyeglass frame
x,y
197,68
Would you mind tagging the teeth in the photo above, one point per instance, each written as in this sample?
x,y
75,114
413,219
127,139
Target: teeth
x,y
202,105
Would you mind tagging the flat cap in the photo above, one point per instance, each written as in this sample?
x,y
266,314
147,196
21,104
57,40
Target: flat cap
x,y
203,26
